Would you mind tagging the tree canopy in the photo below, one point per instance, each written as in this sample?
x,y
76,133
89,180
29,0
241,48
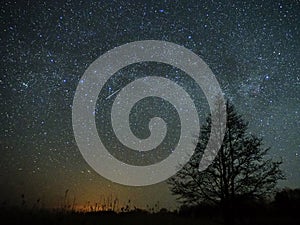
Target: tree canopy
x,y
242,168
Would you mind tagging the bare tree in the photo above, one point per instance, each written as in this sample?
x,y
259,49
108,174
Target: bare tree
x,y
240,170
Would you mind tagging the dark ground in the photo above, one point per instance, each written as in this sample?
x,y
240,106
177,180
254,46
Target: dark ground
x,y
254,215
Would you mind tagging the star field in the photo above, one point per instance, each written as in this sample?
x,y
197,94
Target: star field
x,y
251,46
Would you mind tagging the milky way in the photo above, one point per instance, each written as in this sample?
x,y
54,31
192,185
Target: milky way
x,y
252,48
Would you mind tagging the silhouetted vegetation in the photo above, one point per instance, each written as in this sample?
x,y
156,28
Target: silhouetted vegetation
x,y
240,176
282,210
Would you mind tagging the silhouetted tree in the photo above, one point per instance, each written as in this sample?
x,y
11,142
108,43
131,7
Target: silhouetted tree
x,y
240,170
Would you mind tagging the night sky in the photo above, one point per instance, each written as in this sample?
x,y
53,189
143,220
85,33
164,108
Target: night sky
x,y
251,46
